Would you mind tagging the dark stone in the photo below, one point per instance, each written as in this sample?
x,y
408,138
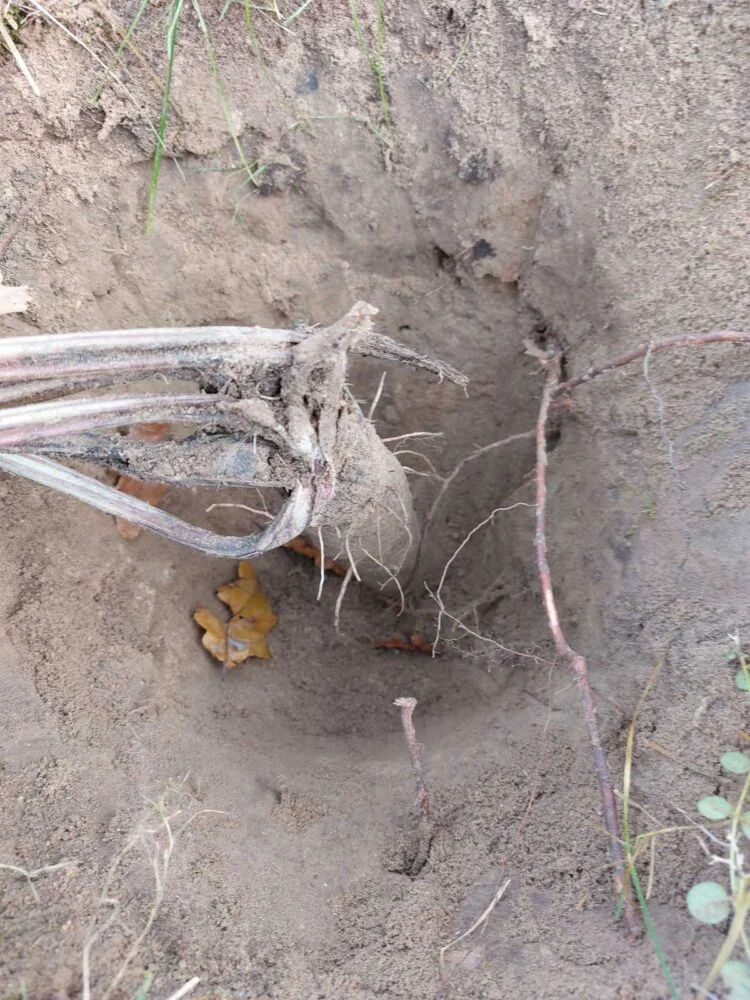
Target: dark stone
x,y
307,82
480,250
475,169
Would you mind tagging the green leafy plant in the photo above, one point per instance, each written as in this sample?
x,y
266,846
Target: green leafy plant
x,y
725,830
728,845
739,658
712,902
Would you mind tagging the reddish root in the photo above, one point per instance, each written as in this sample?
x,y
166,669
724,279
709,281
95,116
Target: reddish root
x,y
573,660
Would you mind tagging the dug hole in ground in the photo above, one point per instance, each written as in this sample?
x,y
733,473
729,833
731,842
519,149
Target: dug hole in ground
x,y
571,169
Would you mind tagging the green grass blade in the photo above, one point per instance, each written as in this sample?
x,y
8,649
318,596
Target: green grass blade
x,y
49,16
293,17
374,58
247,11
630,851
357,22
119,50
250,25
454,65
377,62
174,20
650,929
252,175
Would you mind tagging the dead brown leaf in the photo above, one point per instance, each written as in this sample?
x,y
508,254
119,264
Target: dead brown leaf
x,y
302,547
416,643
149,432
244,636
152,493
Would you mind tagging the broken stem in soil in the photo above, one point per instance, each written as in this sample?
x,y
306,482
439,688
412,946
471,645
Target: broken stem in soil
x,y
573,660
407,706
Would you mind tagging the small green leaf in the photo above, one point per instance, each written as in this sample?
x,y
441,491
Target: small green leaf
x,y
735,762
715,807
742,681
736,976
145,988
708,903
745,824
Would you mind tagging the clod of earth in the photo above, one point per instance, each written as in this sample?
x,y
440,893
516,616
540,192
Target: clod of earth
x,y
272,409
13,298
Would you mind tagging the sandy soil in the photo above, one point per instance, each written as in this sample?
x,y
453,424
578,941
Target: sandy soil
x,y
581,167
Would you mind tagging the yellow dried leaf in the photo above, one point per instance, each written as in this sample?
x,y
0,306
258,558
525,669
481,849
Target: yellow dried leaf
x,y
246,641
246,599
244,635
246,571
231,642
236,593
215,635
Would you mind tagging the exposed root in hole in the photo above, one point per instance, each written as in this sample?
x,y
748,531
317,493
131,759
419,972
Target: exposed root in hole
x,y
310,419
554,389
438,595
451,477
481,921
426,828
573,660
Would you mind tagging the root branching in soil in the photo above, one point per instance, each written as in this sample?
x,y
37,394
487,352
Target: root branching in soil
x,y
438,595
156,836
555,388
32,875
274,410
448,481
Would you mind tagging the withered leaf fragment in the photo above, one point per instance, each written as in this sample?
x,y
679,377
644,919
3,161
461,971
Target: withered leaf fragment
x,y
244,636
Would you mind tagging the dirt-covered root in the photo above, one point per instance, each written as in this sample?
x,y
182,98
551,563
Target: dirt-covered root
x,y
274,410
369,522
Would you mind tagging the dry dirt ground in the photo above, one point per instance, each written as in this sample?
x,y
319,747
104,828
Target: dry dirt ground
x,y
574,164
